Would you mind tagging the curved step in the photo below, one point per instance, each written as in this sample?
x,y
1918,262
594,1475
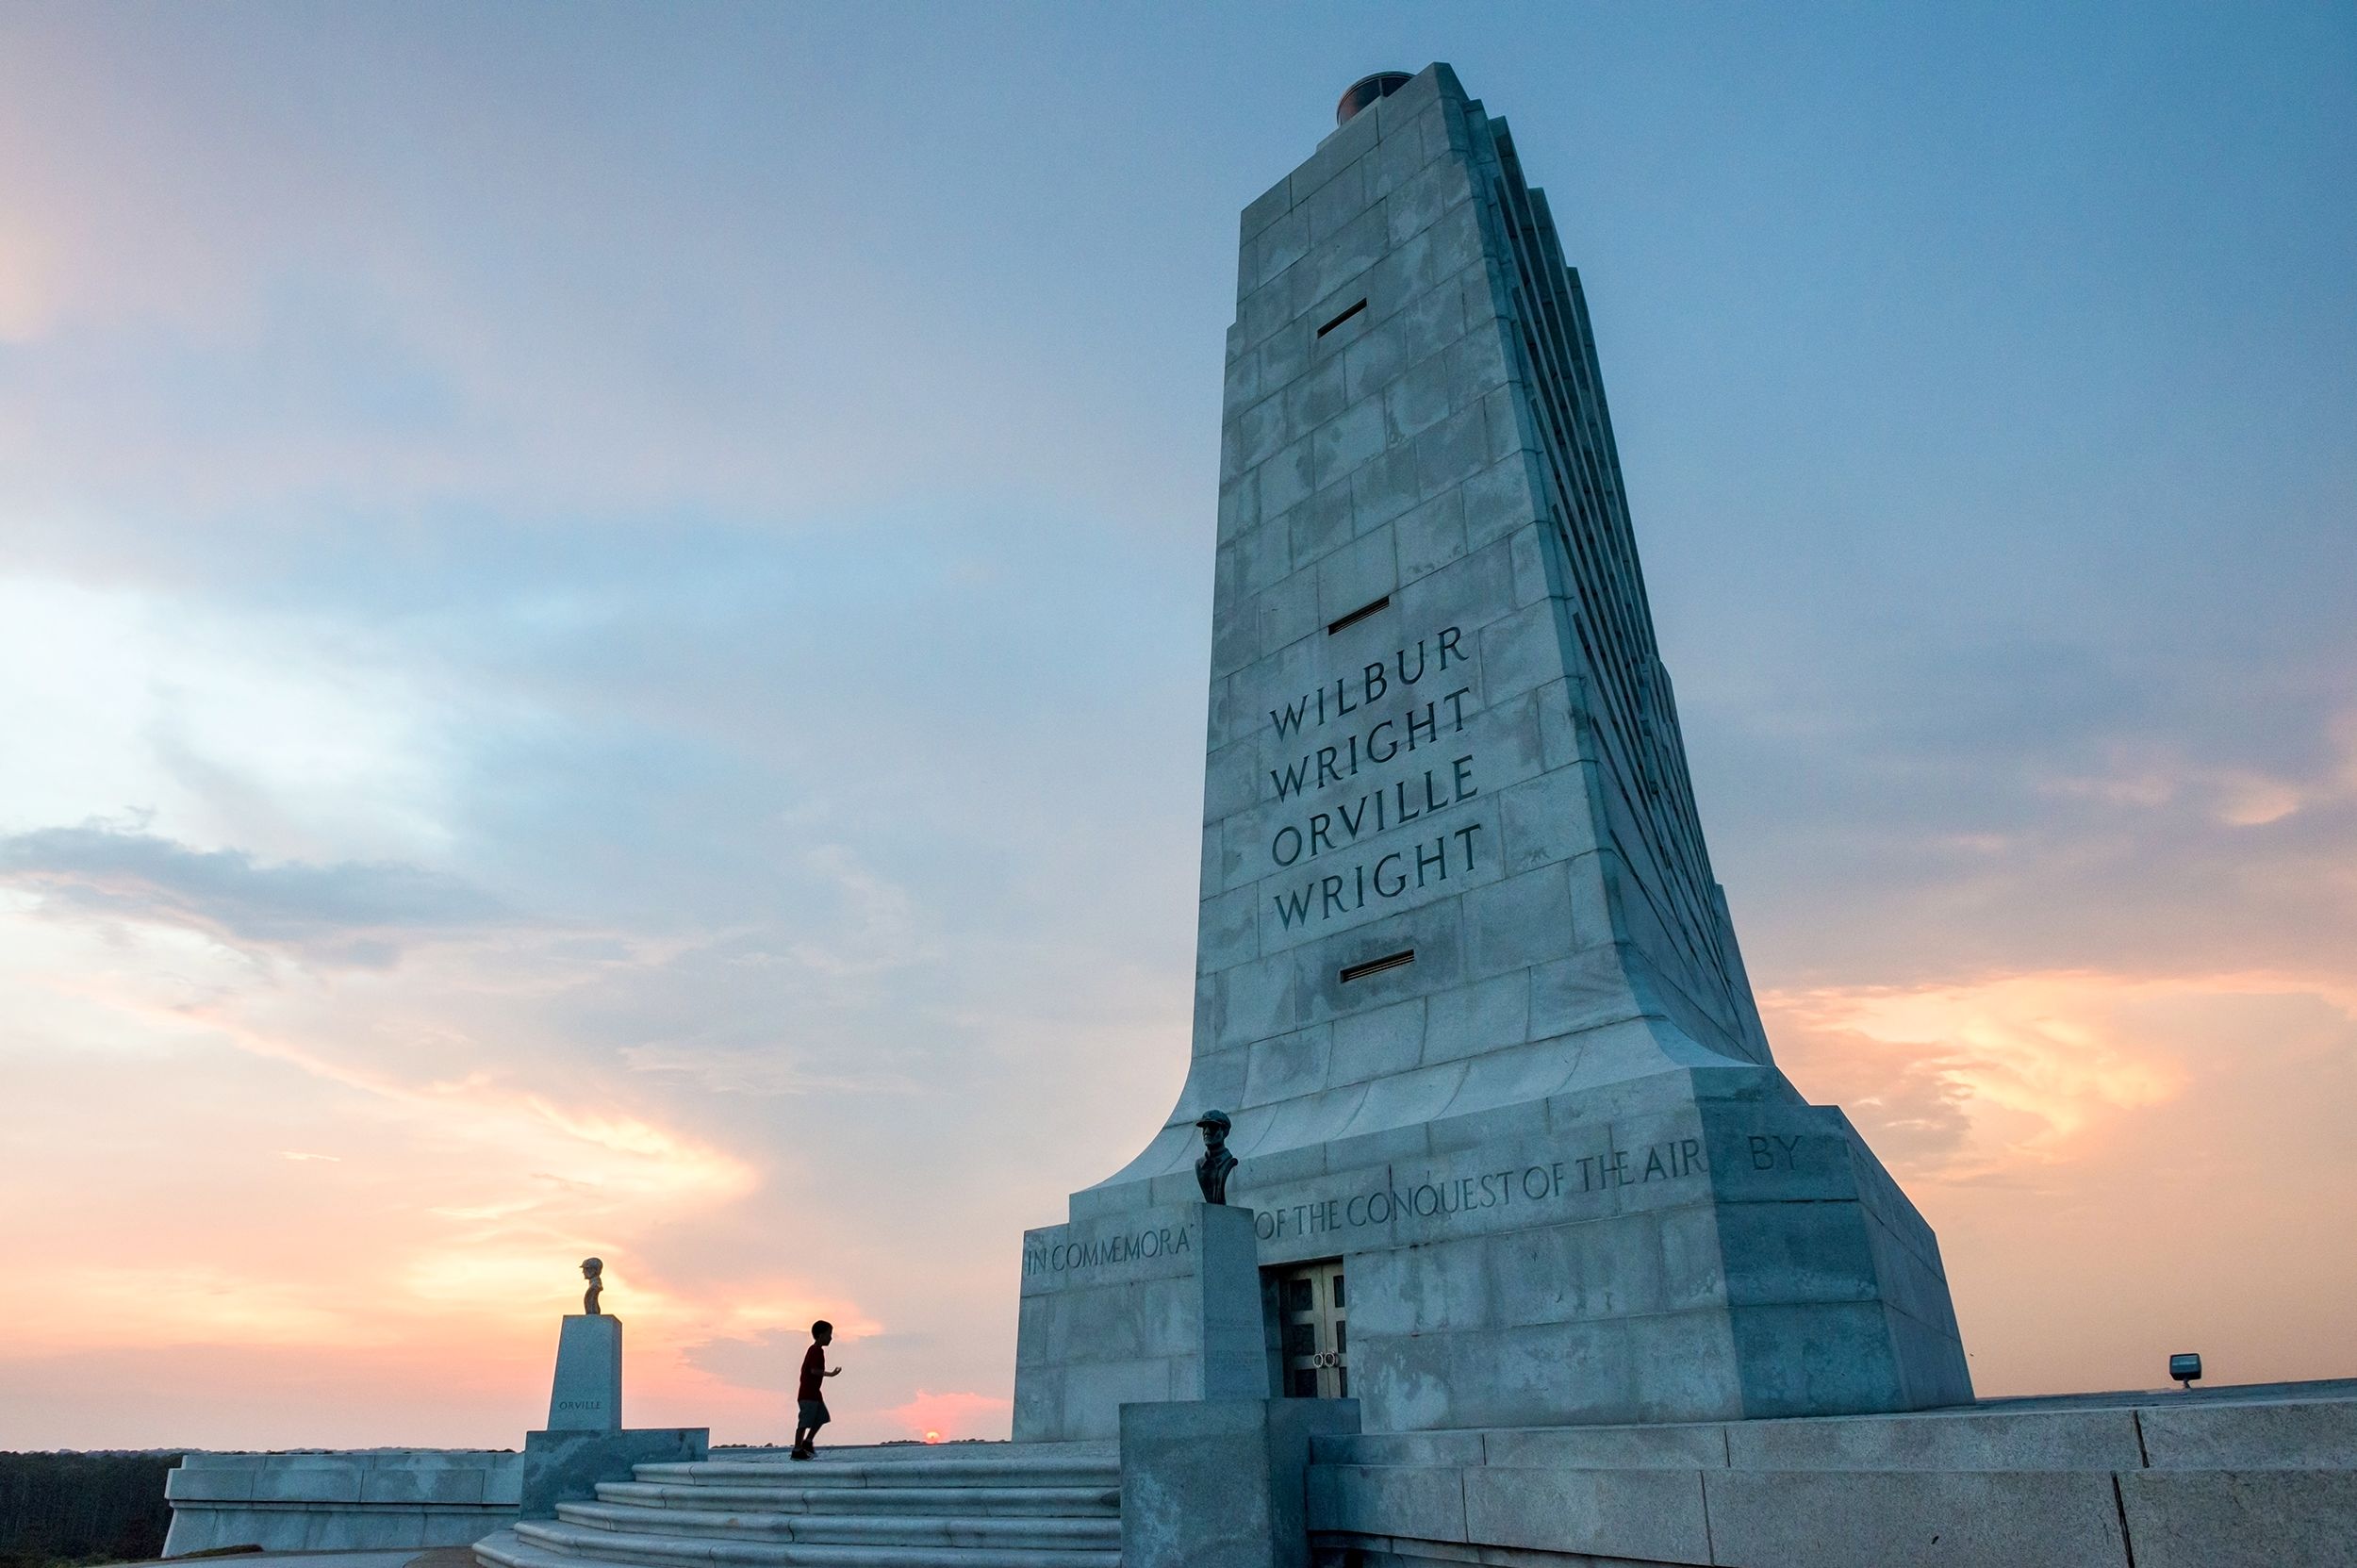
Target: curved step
x,y
996,1501
903,1453
848,1528
540,1545
1077,1470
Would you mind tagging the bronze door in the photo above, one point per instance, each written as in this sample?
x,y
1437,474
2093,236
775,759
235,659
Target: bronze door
x,y
1312,1310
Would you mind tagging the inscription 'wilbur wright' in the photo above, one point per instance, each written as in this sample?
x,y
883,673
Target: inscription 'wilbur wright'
x,y
1390,802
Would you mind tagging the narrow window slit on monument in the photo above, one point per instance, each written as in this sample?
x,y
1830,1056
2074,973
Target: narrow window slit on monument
x,y
1340,318
1376,966
1355,616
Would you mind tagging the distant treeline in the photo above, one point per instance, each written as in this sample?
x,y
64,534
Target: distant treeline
x,y
60,1509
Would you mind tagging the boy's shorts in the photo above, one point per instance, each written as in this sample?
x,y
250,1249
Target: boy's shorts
x,y
814,1411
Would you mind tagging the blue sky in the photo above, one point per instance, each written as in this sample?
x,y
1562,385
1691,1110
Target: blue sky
x,y
604,614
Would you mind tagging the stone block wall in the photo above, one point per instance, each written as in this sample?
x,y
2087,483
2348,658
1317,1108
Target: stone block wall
x,y
354,1500
2260,1477
1151,1305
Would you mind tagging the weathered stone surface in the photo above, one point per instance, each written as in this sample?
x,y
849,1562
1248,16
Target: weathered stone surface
x,y
2259,1476
1145,1305
2283,1518
1654,1515
1218,1483
1427,1505
567,1467
1903,1519
1973,1439
368,1499
2263,1434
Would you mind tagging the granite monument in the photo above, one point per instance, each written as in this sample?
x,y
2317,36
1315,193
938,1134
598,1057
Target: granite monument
x,y
1514,1145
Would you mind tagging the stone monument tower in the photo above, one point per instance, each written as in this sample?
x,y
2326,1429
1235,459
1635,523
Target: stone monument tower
x,y
1515,1147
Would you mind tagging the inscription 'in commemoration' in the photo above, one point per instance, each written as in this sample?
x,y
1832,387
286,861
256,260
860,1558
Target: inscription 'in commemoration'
x,y
1130,1245
1392,802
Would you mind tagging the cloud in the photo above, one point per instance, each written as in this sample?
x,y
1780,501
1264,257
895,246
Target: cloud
x,y
355,912
2001,1075
2118,1165
2154,775
598,1158
876,930
758,1070
945,1417
770,1359
192,1303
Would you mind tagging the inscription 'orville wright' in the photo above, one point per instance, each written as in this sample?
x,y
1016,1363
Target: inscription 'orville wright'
x,y
1392,802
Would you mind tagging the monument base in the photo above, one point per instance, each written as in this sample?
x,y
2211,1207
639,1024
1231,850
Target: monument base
x,y
1160,1303
566,1467
1718,1259
1690,1243
1218,1483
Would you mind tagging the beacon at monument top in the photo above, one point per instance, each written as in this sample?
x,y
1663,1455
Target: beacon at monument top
x,y
1515,1145
1366,90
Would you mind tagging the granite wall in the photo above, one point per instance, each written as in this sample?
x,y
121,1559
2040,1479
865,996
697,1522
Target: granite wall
x,y
2235,1478
356,1500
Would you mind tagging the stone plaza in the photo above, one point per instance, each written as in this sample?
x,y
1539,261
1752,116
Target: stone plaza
x,y
1527,1252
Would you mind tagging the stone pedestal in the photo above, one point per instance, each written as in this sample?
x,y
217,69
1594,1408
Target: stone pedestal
x,y
1160,1303
566,1467
586,1395
585,1441
1220,1483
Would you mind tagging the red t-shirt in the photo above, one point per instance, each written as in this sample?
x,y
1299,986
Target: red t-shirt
x,y
814,1368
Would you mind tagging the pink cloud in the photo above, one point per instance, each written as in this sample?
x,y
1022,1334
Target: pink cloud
x,y
2119,1164
941,1417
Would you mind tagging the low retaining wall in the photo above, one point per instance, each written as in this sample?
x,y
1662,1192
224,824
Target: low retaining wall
x,y
2230,1476
363,1499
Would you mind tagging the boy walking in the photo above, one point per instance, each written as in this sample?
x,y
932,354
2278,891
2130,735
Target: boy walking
x,y
810,1395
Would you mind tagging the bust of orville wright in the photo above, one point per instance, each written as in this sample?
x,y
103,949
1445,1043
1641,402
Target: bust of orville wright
x,y
593,1270
1211,1171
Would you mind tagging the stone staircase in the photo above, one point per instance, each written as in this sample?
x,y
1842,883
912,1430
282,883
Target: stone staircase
x,y
1002,1505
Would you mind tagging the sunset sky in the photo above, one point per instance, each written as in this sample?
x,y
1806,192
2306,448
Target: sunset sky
x,y
603,615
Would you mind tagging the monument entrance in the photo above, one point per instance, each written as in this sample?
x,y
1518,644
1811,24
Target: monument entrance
x,y
1313,1330
1469,1013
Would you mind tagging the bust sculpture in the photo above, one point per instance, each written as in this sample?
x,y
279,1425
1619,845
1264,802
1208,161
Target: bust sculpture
x,y
593,1270
1211,1170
